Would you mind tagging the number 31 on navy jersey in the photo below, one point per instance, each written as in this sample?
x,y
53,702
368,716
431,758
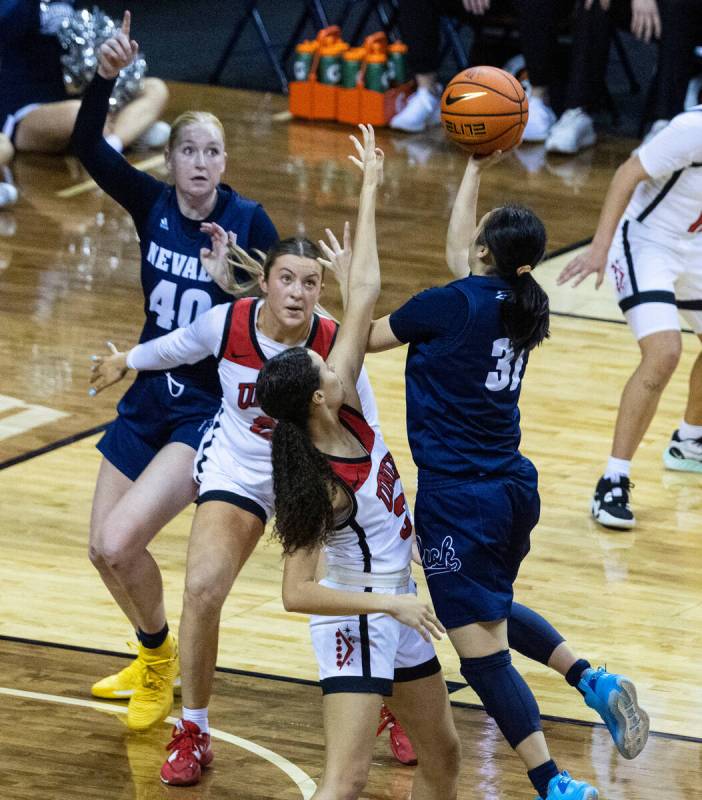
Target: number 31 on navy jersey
x,y
508,370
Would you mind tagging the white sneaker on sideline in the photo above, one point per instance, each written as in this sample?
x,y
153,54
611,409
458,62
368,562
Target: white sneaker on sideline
x,y
154,137
541,119
8,195
421,112
573,132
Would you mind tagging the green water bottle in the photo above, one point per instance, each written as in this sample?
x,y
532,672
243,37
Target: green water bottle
x,y
377,72
397,63
351,66
304,55
330,61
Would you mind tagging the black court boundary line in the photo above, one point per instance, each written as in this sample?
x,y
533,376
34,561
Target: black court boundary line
x,y
47,448
452,685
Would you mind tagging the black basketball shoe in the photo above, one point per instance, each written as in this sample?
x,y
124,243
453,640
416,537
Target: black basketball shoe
x,y
610,505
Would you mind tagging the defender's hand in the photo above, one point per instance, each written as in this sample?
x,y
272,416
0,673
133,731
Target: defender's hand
x,y
107,370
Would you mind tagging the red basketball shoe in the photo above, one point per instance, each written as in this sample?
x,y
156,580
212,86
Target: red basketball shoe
x,y
191,752
399,741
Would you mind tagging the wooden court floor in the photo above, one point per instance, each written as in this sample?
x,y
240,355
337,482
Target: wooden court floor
x,y
69,280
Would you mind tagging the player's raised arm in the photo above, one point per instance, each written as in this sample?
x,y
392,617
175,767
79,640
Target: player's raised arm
x,y
346,359
463,221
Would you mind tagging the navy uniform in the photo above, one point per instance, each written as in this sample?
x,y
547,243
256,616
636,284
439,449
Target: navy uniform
x,y
477,499
175,406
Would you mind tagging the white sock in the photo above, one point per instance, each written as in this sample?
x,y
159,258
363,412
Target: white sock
x,y
617,468
115,142
198,716
688,431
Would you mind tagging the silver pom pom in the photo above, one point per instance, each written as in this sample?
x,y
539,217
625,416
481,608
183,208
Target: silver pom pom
x,y
81,35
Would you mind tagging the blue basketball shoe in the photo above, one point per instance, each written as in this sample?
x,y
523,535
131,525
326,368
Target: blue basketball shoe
x,y
614,699
563,787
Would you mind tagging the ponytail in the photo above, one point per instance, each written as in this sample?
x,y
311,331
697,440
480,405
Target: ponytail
x,y
516,239
303,481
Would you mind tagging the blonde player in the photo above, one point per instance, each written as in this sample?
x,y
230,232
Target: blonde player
x,y
649,240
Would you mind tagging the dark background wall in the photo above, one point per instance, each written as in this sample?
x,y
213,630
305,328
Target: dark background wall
x,y
183,41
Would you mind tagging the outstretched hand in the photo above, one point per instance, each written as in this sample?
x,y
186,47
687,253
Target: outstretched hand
x,y
118,51
107,370
214,259
370,158
337,259
583,265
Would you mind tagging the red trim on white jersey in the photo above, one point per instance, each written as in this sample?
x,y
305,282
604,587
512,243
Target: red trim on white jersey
x,y
375,536
240,344
354,472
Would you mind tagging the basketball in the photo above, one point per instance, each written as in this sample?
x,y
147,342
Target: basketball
x,y
484,109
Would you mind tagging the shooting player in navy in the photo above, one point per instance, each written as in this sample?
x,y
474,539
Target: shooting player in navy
x,y
477,498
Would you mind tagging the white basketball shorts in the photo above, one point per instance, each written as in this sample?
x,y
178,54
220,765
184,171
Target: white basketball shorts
x,y
656,276
222,477
368,653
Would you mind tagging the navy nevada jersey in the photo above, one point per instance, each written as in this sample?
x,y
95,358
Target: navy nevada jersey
x,y
462,378
176,286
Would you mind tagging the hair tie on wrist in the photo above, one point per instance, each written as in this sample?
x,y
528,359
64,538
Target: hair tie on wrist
x,y
523,270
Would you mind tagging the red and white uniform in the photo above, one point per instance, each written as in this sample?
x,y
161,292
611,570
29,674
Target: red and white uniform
x,y
655,261
233,462
370,550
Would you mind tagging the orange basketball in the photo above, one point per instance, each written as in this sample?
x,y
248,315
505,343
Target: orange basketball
x,y
484,109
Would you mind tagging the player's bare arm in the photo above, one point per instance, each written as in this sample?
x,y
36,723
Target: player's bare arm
x,y
346,359
594,259
301,593
463,220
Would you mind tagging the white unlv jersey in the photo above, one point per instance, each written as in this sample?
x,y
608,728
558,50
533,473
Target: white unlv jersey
x,y
240,435
671,200
376,538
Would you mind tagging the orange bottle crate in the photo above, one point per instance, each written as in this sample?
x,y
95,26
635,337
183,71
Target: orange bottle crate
x,y
312,100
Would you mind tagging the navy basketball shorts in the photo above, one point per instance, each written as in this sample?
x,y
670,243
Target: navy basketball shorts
x,y
472,535
155,411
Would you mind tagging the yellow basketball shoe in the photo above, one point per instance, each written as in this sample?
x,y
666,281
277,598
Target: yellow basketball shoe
x,y
121,685
152,699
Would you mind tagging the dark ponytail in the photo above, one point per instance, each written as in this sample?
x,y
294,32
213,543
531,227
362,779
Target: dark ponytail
x,y
516,238
302,477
